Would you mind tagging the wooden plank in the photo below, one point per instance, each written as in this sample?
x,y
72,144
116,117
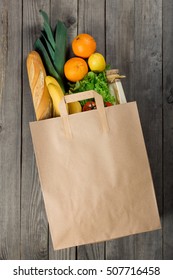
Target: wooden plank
x,y
94,251
168,128
34,226
64,254
120,41
10,128
92,20
66,11
120,54
148,94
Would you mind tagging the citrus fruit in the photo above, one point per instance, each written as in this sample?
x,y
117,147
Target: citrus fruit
x,y
74,107
75,69
97,62
83,45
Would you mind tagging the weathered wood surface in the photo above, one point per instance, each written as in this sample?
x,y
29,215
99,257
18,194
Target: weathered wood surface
x,y
10,132
136,36
66,11
120,54
34,226
148,94
90,13
167,130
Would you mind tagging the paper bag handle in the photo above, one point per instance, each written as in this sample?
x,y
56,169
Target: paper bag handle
x,y
78,97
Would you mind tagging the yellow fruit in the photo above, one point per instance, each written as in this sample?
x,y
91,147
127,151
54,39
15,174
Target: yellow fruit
x,y
51,80
74,107
56,94
97,62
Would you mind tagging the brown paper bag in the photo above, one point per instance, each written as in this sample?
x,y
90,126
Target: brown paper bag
x,y
94,173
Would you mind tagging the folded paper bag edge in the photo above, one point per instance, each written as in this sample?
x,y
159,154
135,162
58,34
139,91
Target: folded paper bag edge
x,y
57,247
77,114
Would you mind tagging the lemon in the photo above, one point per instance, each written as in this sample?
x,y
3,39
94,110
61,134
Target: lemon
x,y
97,62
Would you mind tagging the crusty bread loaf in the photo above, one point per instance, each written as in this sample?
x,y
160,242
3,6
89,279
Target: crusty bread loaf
x,y
40,95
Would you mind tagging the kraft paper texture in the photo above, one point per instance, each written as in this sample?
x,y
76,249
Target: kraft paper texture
x,y
96,182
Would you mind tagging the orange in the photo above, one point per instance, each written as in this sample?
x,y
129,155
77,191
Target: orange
x,y
83,45
75,69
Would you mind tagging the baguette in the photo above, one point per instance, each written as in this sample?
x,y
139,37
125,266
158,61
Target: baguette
x,y
36,74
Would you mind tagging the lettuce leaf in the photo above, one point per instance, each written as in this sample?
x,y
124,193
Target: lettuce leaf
x,y
93,81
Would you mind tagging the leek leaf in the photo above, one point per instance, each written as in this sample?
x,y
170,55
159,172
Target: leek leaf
x,y
47,29
38,46
60,47
48,45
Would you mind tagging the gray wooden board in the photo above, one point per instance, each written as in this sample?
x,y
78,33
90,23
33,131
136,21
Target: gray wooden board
x,y
92,20
148,94
168,130
65,11
129,33
120,41
120,54
34,226
10,132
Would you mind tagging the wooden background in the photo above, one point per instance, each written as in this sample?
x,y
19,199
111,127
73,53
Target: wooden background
x,y
136,36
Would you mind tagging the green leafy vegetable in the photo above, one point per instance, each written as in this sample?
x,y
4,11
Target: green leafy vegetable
x,y
47,62
48,45
93,81
47,29
53,50
60,47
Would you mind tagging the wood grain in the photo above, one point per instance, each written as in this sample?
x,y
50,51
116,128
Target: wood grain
x,y
65,11
168,129
134,39
120,41
10,128
120,54
91,20
34,226
148,94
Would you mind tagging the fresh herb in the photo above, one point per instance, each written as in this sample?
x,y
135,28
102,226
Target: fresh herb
x,y
93,81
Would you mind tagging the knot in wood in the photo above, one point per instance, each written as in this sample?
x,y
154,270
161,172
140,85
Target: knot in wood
x,y
170,97
71,20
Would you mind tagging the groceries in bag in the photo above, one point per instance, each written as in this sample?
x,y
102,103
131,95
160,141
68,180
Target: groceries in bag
x,y
51,75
